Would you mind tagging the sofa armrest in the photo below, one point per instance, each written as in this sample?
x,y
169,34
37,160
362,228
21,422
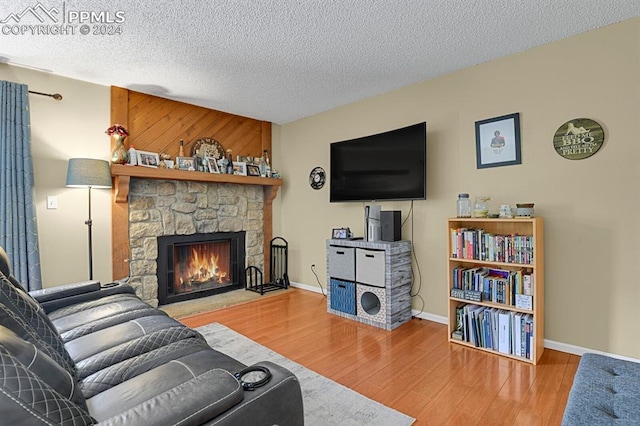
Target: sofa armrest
x,y
59,297
279,402
60,292
211,396
193,402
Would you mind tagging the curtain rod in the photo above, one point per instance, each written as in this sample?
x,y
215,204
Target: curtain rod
x,y
56,96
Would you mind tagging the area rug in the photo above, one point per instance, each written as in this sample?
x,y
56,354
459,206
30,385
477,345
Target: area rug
x,y
325,401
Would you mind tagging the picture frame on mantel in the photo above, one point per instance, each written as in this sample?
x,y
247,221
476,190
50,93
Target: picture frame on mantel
x,y
253,170
148,159
240,168
213,165
186,163
498,141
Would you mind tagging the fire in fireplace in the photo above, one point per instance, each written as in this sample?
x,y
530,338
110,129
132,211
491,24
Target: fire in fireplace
x,y
199,265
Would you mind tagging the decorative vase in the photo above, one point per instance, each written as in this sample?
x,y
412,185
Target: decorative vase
x,y
119,155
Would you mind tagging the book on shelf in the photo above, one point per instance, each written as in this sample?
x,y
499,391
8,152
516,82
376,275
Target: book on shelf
x,y
529,336
517,335
504,332
527,282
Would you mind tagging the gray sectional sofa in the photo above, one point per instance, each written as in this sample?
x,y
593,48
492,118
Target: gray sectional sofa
x,y
89,354
605,391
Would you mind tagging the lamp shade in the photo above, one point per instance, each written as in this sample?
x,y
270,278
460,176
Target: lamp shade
x,y
87,172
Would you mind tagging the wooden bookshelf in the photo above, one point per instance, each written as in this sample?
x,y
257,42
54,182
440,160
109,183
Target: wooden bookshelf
x,y
529,261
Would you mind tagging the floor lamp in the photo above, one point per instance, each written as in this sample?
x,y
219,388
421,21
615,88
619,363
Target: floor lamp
x,y
89,173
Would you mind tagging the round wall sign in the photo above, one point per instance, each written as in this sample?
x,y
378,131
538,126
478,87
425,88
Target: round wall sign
x,y
578,139
317,178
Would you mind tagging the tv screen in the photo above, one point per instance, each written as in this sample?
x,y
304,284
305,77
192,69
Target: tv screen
x,y
385,166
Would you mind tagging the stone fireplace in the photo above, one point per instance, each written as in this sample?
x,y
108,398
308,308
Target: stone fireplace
x,y
167,208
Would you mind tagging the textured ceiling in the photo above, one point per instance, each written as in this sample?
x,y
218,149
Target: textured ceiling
x,y
281,60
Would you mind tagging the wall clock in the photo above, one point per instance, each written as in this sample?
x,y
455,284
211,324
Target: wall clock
x,y
317,178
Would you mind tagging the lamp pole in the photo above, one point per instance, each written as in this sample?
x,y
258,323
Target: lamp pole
x,y
89,223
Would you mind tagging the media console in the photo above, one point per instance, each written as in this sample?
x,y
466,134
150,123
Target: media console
x,y
370,281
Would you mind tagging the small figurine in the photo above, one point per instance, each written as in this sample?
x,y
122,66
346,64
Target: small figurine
x,y
222,164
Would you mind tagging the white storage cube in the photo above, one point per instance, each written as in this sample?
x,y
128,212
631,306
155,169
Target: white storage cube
x,y
370,267
341,262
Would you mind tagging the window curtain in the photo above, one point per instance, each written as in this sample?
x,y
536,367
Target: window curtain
x,y
18,229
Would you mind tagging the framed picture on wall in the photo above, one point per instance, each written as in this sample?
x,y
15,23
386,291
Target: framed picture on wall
x,y
498,141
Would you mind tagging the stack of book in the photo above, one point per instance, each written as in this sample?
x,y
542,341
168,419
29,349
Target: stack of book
x,y
509,287
469,243
495,329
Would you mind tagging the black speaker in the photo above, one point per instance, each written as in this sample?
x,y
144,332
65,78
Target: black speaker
x,y
391,226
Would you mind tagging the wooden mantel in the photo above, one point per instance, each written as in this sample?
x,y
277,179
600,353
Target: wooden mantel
x,y
123,174
122,177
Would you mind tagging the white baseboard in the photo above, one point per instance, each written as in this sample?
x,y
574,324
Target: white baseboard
x,y
550,344
315,289
579,350
427,316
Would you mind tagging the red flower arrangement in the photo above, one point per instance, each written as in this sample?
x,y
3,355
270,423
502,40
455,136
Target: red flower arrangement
x,y
117,129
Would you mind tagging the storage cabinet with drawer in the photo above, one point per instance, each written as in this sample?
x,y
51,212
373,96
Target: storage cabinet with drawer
x,y
372,277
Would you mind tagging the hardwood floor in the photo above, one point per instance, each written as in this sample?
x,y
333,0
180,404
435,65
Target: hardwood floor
x,y
412,369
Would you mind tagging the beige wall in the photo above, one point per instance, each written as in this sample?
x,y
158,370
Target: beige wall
x,y
590,206
73,127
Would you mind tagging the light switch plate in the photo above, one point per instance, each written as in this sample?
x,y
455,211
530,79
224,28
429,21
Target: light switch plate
x,y
52,202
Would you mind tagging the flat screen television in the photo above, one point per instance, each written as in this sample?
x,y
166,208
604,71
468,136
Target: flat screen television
x,y
384,166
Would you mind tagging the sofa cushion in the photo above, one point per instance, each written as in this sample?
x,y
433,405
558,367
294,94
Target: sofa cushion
x,y
6,269
604,391
103,323
42,365
81,307
133,348
23,293
96,310
100,341
27,400
17,314
125,370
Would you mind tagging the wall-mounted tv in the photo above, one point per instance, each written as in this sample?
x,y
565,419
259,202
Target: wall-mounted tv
x,y
384,166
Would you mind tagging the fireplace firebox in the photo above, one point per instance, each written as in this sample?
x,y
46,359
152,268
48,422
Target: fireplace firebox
x,y
199,265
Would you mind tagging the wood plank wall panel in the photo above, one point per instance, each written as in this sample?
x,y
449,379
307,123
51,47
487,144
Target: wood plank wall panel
x,y
119,211
156,124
